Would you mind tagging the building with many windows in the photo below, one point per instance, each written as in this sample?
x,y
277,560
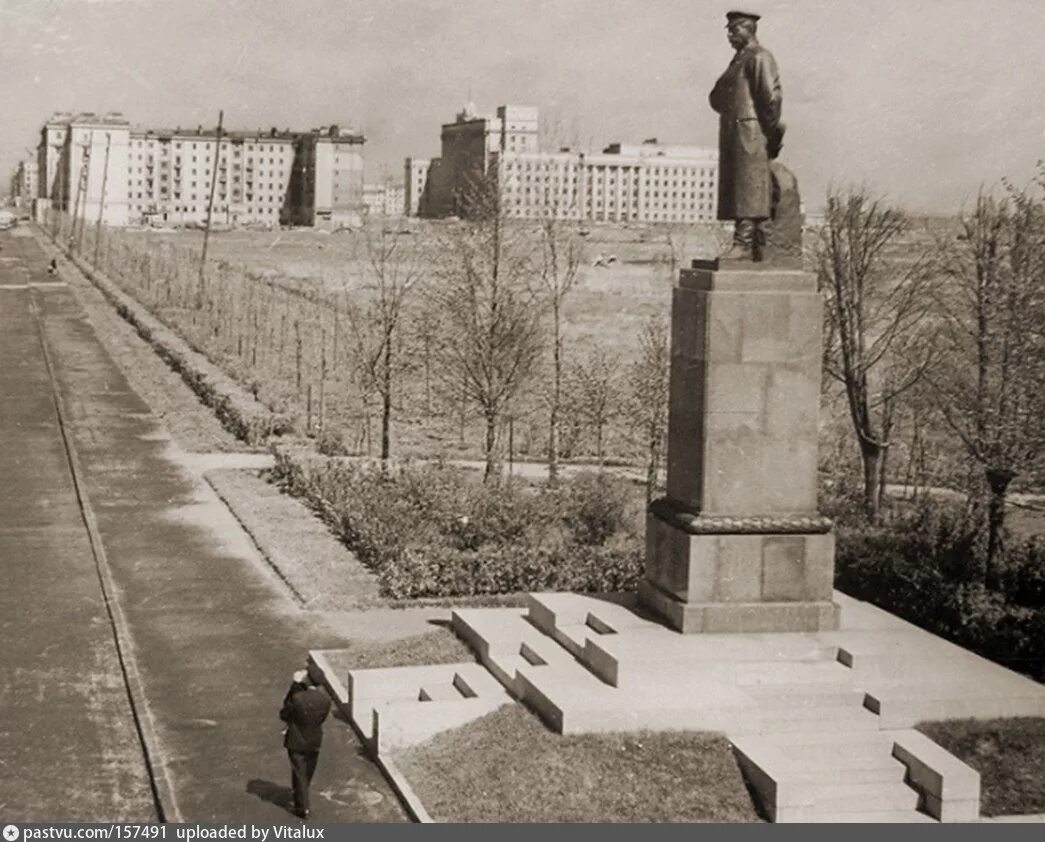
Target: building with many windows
x,y
415,177
326,189
83,164
25,184
648,182
167,176
383,199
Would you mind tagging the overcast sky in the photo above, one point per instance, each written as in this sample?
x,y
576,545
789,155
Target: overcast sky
x,y
923,100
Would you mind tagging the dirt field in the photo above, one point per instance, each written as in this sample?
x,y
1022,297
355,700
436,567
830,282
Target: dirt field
x,y
609,305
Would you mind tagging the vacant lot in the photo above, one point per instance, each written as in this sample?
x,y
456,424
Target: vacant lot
x,y
609,305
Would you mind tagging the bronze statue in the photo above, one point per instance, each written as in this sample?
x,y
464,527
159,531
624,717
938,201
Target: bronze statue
x,y
748,99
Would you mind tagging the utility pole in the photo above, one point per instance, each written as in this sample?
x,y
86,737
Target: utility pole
x,y
101,204
210,209
82,184
57,227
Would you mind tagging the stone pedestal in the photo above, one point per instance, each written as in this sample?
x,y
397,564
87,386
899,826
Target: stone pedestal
x,y
738,543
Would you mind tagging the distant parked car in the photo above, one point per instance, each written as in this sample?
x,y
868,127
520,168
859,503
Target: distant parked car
x,y
7,220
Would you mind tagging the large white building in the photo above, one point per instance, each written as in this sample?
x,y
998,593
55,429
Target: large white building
x,y
166,176
648,182
83,165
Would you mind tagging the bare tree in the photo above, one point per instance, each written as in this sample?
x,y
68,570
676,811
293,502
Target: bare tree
x,y
647,403
877,304
991,383
491,338
597,395
393,271
562,251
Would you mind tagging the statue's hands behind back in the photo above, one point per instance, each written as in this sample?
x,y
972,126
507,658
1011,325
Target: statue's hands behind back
x,y
775,141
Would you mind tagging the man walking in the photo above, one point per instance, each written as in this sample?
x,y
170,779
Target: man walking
x,y
305,708
748,100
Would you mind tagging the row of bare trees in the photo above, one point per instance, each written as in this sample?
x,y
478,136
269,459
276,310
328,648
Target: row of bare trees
x,y
470,320
945,329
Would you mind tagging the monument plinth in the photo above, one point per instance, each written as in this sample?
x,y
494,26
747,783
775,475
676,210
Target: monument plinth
x,y
738,544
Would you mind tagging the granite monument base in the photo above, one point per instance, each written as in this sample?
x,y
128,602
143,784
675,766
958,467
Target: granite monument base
x,y
739,582
738,544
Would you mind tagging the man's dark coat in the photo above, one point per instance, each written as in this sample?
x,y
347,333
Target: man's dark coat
x,y
748,99
304,711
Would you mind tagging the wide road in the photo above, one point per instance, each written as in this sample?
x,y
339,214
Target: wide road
x,y
146,647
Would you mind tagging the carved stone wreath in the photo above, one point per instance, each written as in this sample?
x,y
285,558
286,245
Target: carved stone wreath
x,y
696,524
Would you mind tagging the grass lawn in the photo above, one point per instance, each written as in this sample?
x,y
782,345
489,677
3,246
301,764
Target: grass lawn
x,y
508,767
1009,754
441,646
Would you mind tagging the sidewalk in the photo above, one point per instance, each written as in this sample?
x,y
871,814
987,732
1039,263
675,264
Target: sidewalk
x,y
214,635
68,749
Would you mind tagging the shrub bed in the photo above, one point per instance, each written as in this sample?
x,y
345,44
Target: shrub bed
x,y
434,531
926,568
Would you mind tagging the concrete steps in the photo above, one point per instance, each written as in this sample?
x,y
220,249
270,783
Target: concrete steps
x,y
882,796
822,717
811,716
805,674
822,775
880,817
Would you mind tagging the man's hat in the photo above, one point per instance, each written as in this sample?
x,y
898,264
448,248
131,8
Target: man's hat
x,y
738,14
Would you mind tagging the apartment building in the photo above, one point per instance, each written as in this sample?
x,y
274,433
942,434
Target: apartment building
x,y
167,176
648,182
327,190
470,145
172,172
415,177
25,183
384,199
83,166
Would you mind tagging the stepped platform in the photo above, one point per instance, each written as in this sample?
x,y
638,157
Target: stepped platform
x,y
821,722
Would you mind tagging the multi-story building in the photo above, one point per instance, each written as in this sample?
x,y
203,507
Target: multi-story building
x,y
82,160
171,173
25,184
470,145
415,177
649,182
168,176
383,199
645,183
327,190
49,153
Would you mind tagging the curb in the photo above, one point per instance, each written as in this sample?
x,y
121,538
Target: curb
x,y
396,779
155,758
405,792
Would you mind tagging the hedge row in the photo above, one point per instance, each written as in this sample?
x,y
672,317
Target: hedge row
x,y
431,530
926,569
239,412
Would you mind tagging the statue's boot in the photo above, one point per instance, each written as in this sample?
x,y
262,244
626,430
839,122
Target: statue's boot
x,y
743,247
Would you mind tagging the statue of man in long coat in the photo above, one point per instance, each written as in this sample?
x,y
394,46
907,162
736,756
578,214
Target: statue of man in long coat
x,y
748,100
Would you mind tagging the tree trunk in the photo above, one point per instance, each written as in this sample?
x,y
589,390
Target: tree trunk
x,y
652,469
490,447
998,480
553,419
871,454
386,404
